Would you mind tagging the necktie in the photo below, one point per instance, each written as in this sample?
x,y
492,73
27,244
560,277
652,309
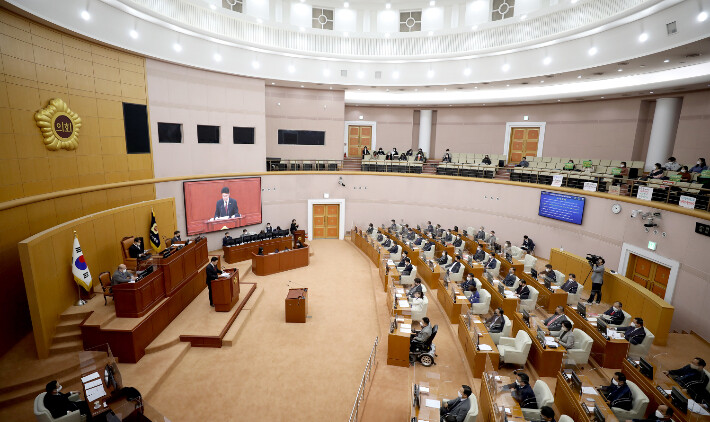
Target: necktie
x,y
225,207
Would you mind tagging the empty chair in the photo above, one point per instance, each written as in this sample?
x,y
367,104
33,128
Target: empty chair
x,y
43,415
495,272
641,350
507,329
105,279
517,252
529,303
428,254
543,396
582,348
639,403
529,263
515,350
560,278
483,304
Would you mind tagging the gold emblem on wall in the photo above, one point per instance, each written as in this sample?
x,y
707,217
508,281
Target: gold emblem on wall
x,y
59,125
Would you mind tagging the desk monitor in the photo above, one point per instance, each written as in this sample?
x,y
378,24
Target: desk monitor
x,y
415,399
598,415
548,283
501,289
526,317
582,309
679,400
489,277
645,368
601,325
533,273
576,384
541,337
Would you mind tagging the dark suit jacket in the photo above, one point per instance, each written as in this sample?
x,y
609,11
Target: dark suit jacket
x,y
401,263
455,267
416,288
634,335
570,287
459,408
687,376
176,239
443,259
118,278
427,246
495,324
557,324
294,227
387,243
480,235
212,273
59,404
616,317
430,228
134,251
268,229
524,395
419,241
393,249
458,242
407,270
619,396
491,264
225,240
232,208
479,255
509,280
528,244
523,291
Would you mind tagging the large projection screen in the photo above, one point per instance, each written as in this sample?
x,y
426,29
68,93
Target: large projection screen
x,y
209,207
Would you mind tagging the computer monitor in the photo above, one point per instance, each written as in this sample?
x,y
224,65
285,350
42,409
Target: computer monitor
x,y
489,277
533,273
509,257
598,415
576,384
415,399
526,317
582,309
601,325
501,289
679,400
646,368
541,337
548,283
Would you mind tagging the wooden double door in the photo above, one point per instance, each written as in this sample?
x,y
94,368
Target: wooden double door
x,y
326,221
649,274
359,137
523,143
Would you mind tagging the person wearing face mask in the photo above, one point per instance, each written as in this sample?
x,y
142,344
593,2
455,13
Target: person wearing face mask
x,y
510,278
444,258
370,228
691,376
457,241
416,302
597,281
672,164
699,166
614,315
59,404
176,237
408,267
547,414
268,229
663,413
479,255
618,394
447,157
570,286
656,173
403,262
468,282
634,333
554,323
121,276
457,407
481,235
474,297
416,288
523,291
495,323
685,175
522,392
507,248
566,338
548,273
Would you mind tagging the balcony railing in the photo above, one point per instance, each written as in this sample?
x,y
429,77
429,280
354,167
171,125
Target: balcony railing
x,y
366,376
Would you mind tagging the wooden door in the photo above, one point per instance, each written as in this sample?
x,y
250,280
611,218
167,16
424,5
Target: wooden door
x,y
648,274
523,143
326,221
358,138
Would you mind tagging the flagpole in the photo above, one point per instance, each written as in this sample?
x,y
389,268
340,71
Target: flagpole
x,y
80,302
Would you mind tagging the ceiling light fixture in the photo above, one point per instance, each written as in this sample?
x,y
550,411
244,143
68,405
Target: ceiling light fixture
x,y
579,77
301,86
291,68
522,18
395,74
467,71
133,33
326,73
430,74
85,15
505,67
213,7
666,60
643,37
360,74
592,51
702,16
547,60
273,83
619,70
432,3
259,21
388,6
217,57
474,27
177,47
255,64
346,5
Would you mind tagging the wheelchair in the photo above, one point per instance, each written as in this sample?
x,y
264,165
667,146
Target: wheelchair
x,y
424,352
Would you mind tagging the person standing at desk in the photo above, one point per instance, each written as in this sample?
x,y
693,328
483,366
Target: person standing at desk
x,y
121,276
496,322
268,229
370,228
458,407
597,281
212,274
481,235
618,394
176,237
663,413
522,392
294,226
429,227
226,207
528,244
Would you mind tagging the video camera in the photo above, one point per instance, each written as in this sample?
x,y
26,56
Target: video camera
x,y
592,259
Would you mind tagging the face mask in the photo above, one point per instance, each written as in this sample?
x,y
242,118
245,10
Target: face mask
x,y
460,395
633,324
698,163
694,367
59,388
659,415
520,384
615,382
571,280
615,309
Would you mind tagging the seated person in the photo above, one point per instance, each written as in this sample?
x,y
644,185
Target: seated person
x,y
387,243
135,250
299,245
439,231
624,171
699,166
486,160
547,414
549,273
176,237
380,151
410,152
419,241
492,239
510,278
469,281
554,322
685,175
480,255
261,235
507,248
656,173
691,377
408,267
59,404
416,301
496,322
121,276
457,409
245,233
448,237
427,247
420,156
268,229
411,235
528,244
444,258
393,248
570,286
672,164
447,157
481,235
402,157
523,291
370,229
457,241
455,265
474,297
417,287
491,264
663,413
618,394
429,227
402,262
566,338
614,315
393,226
523,163
522,392
380,237
421,336
634,333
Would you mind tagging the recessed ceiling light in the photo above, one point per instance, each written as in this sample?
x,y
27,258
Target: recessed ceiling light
x,y
507,84
505,68
388,5
360,74
643,37
278,104
255,64
416,89
430,74
475,87
542,82
213,7
345,34
450,105
432,3
467,71
702,16
431,33
592,51
602,97
547,60
133,33
273,83
291,68
522,18
650,92
395,75
326,73
259,20
301,86
619,70
666,60
177,47
300,28
217,57
559,101
579,77
474,27
346,5
574,1
85,15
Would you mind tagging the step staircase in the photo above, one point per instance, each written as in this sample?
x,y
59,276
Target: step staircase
x,y
67,337
503,173
352,164
430,166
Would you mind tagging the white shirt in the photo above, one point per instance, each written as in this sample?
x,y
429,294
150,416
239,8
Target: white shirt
x,y
417,304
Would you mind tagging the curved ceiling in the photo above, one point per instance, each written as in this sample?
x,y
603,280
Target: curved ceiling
x,y
631,54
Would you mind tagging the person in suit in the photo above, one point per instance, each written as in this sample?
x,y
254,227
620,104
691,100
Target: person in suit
x,y
227,239
365,151
447,157
617,393
458,241
615,314
475,296
597,280
407,267
547,414
481,235
380,237
492,238
496,322
135,250
226,207
244,235
663,413
510,278
522,392
554,322
294,226
468,282
121,275
486,160
268,229
523,291
523,163
429,227
402,261
419,241
59,404
438,231
387,243
393,226
634,333
443,259
458,407
421,336
299,244
176,237
428,246
507,248
570,286
566,338
411,235
691,377
549,273
455,266
260,251
212,274
370,229
393,248
491,263
448,237
417,287
528,244
479,255
261,235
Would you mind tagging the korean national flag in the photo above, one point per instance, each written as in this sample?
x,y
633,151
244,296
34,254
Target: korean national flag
x,y
79,269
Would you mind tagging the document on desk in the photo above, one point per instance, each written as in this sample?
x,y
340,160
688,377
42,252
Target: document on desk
x,y
390,262
485,347
400,319
95,393
92,384
400,291
589,390
509,294
406,326
555,287
405,330
89,377
398,295
403,304
694,407
423,389
461,297
436,404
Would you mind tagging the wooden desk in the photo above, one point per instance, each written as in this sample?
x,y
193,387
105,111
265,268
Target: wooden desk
x,y
363,242
476,269
238,253
509,304
389,274
97,405
505,265
133,300
398,293
492,400
429,276
547,362
178,266
423,412
470,245
547,299
607,353
296,305
476,358
225,291
638,301
451,300
398,345
278,262
569,403
299,234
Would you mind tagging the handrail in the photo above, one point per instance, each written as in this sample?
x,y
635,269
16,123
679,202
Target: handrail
x,y
363,382
95,188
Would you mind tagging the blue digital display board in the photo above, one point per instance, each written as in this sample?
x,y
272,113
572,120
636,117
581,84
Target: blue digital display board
x,y
559,206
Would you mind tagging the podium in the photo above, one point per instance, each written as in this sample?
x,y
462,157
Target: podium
x,y
225,291
299,234
296,305
213,225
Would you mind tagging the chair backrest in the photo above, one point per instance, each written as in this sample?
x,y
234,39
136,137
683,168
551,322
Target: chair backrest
x,y
126,243
522,339
473,410
533,294
105,279
565,418
485,297
543,395
41,412
582,340
507,327
434,330
639,401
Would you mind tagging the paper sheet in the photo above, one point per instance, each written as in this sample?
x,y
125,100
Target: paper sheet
x,y
549,338
390,262
92,384
408,326
591,409
405,330
695,408
589,390
423,389
400,291
398,295
403,304
551,343
485,347
461,297
90,377
400,319
554,287
436,404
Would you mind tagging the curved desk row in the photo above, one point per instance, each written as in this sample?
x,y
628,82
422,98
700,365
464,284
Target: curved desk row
x,y
278,262
243,252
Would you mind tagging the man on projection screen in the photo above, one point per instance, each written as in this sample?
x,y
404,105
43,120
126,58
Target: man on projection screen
x,y
226,207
